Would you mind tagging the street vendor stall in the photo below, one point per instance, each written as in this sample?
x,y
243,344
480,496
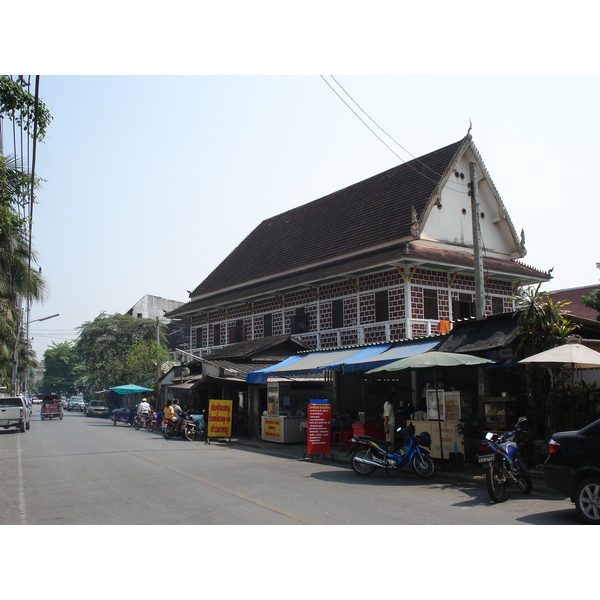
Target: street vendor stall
x,y
444,433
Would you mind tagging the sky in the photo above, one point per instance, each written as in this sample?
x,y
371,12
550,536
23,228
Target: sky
x,y
152,177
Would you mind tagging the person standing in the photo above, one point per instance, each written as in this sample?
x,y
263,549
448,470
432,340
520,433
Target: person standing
x,y
389,422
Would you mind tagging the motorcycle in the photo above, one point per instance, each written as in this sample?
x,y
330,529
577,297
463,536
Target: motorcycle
x,y
500,455
173,427
370,454
193,427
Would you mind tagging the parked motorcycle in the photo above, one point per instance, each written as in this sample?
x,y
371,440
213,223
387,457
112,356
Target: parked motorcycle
x,y
193,427
370,454
500,455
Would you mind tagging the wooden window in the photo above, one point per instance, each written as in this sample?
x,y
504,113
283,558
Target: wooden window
x,y
337,314
217,334
268,325
237,332
464,307
430,304
497,305
299,322
382,308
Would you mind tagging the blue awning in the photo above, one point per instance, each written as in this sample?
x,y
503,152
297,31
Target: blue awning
x,y
349,360
396,353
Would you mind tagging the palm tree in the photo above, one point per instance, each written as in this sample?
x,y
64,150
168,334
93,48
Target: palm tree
x,y
18,281
543,325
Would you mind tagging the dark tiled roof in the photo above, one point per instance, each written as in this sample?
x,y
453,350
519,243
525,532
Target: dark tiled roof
x,y
286,344
427,257
359,228
372,212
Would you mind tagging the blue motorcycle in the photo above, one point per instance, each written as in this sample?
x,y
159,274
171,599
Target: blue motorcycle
x,y
500,455
370,454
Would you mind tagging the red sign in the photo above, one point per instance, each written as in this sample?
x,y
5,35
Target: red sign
x,y
319,429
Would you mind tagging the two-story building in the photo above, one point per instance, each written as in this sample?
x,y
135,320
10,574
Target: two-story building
x,y
388,258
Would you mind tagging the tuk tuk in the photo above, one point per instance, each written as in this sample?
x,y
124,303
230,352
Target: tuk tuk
x,y
51,407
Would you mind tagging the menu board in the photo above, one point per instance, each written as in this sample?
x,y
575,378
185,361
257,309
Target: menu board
x,y
319,427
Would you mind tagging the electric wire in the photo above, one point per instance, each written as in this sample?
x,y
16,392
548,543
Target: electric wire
x,y
458,190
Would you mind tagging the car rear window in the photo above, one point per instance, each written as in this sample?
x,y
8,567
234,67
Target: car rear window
x,y
11,402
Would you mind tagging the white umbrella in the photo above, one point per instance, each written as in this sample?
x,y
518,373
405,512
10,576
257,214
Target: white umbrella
x,y
572,355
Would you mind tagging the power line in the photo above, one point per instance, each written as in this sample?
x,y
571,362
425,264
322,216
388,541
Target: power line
x,y
460,191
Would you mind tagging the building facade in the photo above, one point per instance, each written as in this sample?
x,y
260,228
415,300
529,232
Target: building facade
x,y
388,258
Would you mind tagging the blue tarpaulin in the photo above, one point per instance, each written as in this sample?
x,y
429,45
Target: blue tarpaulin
x,y
349,360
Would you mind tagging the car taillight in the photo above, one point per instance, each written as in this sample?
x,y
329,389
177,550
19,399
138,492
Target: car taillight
x,y
553,446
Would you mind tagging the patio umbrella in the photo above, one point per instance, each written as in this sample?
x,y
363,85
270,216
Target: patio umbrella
x,y
433,360
573,355
130,389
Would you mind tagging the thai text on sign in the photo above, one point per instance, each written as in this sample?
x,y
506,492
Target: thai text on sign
x,y
219,418
319,427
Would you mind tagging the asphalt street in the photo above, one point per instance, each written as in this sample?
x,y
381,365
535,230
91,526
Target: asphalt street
x,y
86,471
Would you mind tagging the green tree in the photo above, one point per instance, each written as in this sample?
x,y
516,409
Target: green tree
x,y
543,325
146,359
593,300
111,348
18,281
62,368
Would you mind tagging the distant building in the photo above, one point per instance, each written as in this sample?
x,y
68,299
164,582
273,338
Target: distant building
x,y
574,295
155,307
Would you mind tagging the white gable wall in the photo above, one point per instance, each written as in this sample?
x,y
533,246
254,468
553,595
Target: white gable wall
x,y
450,221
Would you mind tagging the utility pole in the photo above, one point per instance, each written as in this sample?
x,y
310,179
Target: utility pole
x,y
478,259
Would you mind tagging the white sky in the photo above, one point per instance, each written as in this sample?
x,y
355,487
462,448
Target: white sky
x,y
151,180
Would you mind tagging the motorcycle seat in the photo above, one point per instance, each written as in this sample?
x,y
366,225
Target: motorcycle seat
x,y
368,438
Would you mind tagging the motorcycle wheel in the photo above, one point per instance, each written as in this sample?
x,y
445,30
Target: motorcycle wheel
x,y
188,434
152,425
137,423
423,465
522,477
496,484
360,468
168,431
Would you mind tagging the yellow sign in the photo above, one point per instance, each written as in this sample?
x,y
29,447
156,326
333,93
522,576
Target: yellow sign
x,y
272,429
219,418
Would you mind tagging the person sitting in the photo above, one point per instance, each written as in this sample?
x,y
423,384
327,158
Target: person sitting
x,y
169,412
143,407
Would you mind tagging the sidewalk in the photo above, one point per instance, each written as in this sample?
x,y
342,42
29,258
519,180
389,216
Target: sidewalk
x,y
469,473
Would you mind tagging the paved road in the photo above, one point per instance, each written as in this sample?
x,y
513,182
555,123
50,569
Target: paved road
x,y
86,471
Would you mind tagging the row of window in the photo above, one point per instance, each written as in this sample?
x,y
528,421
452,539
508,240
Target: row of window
x,y
462,308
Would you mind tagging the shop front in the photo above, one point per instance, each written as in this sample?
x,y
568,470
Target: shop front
x,y
335,376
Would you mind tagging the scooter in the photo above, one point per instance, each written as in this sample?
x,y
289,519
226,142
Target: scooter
x,y
370,454
194,427
500,455
173,427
